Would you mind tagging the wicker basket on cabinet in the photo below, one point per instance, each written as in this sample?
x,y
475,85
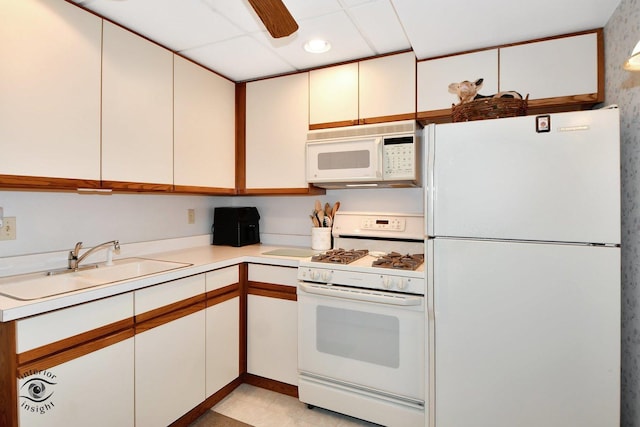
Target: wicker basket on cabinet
x,y
489,108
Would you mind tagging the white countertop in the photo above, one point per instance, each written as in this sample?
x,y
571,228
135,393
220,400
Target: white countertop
x,y
202,258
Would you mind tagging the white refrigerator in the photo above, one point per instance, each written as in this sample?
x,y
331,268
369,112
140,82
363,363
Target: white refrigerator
x,y
523,271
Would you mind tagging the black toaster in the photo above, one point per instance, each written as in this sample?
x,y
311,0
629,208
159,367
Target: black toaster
x,y
236,226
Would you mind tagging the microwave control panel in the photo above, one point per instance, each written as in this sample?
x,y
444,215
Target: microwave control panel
x,y
399,158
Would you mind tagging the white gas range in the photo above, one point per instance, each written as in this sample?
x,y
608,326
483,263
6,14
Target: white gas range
x,y
362,320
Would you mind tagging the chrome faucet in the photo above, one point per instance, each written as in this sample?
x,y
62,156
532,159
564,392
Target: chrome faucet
x,y
75,260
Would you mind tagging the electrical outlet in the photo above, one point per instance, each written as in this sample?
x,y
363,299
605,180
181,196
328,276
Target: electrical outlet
x,y
191,216
8,229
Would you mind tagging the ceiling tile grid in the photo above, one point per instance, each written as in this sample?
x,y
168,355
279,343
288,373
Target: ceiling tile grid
x,y
227,36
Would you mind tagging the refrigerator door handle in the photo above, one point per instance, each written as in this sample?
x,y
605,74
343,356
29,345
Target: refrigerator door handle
x,y
430,197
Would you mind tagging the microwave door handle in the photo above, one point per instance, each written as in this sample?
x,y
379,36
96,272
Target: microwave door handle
x,y
379,147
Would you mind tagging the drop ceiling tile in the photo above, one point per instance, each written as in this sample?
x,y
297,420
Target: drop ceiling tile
x,y
175,24
440,27
379,24
239,13
239,59
305,9
346,42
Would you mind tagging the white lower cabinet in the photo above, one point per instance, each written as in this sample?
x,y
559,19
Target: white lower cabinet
x,y
169,355
169,370
222,331
223,344
272,340
272,324
96,390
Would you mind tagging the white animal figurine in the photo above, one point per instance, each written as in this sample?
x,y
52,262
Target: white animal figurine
x,y
468,91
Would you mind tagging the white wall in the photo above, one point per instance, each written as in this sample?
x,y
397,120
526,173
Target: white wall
x,y
285,220
621,34
51,221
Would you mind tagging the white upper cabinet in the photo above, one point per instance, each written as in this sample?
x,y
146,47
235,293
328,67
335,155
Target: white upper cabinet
x,y
333,94
388,86
372,89
50,90
137,109
434,77
277,112
559,67
204,127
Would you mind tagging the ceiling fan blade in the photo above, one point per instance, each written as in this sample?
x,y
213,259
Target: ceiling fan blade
x,y
275,16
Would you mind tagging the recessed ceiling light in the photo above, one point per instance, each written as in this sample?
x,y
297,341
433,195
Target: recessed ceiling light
x,y
317,46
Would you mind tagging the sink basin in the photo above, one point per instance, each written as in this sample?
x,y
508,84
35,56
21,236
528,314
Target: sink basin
x,y
40,285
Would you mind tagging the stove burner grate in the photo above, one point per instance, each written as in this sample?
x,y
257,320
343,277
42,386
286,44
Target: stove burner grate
x,y
340,256
398,261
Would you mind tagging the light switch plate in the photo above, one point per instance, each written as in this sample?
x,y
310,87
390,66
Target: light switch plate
x,y
8,229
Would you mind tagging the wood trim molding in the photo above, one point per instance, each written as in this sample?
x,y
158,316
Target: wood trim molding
x,y
39,182
316,126
74,352
309,191
160,316
541,39
384,119
535,106
244,279
68,343
188,418
272,290
241,136
269,384
221,295
210,191
137,186
8,369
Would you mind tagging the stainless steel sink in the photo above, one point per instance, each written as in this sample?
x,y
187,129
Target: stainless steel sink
x,y
28,287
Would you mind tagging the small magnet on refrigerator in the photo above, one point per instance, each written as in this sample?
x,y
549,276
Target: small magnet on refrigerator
x,y
543,123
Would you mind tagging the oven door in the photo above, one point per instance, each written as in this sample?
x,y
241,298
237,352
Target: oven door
x,y
369,340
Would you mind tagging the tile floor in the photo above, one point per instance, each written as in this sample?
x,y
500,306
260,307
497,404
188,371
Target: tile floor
x,y
263,408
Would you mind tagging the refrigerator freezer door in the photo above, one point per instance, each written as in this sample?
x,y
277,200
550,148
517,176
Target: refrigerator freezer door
x,y
526,334
501,179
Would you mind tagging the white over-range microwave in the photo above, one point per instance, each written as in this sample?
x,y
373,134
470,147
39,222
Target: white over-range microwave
x,y
375,155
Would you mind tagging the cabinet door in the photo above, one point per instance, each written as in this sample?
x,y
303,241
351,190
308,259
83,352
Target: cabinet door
x,y
96,389
204,114
170,351
560,67
223,344
333,94
276,131
50,86
272,341
223,330
170,370
387,86
434,77
137,109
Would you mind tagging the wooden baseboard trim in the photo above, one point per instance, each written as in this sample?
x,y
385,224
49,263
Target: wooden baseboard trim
x,y
269,384
208,403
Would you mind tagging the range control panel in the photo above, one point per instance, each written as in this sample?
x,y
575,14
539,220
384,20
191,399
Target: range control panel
x,y
379,223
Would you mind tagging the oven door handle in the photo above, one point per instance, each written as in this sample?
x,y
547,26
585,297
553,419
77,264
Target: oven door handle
x,y
361,294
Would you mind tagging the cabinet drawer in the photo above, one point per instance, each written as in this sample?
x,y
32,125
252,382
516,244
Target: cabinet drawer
x,y
158,296
273,274
223,277
46,328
